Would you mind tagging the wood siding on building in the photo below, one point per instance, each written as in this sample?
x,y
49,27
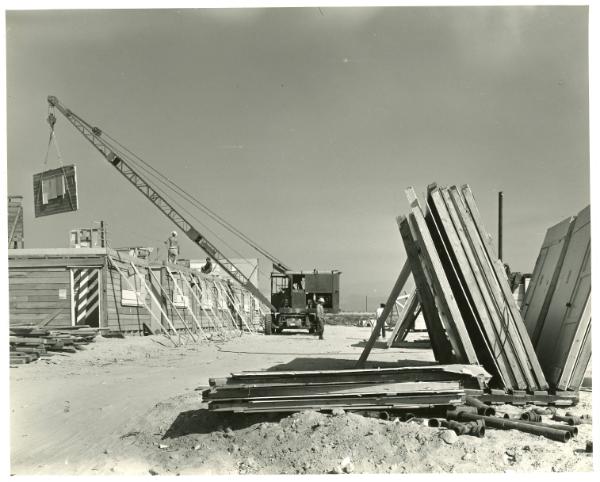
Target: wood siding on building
x,y
15,222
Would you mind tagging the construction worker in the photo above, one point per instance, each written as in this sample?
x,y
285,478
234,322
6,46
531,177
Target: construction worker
x,y
208,267
173,247
378,314
320,318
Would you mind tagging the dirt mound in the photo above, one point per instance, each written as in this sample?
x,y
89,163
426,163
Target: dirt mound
x,y
202,442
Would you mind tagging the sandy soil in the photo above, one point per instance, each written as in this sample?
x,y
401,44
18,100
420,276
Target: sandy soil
x,y
130,406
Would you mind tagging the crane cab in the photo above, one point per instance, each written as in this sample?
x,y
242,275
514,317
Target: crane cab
x,y
294,296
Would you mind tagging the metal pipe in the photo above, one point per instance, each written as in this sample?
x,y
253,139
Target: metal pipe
x,y
572,420
482,408
531,416
505,424
436,422
574,431
500,199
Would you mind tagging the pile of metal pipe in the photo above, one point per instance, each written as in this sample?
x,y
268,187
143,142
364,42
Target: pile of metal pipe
x,y
476,428
482,408
558,434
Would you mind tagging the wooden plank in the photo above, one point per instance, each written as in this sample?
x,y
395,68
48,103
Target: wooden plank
x,y
462,278
545,276
233,393
492,294
187,304
400,282
441,346
449,312
498,267
399,402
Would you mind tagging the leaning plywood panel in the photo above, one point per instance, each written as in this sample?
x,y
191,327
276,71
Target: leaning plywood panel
x,y
562,335
544,277
55,191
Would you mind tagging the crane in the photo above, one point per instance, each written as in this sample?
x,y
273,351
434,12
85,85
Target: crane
x,y
293,293
94,136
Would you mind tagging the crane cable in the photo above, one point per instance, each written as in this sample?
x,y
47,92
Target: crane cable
x,y
171,199
203,207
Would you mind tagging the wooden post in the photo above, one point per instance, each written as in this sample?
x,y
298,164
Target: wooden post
x,y
400,282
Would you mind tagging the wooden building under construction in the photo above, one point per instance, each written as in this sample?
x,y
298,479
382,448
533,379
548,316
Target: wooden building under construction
x,y
105,288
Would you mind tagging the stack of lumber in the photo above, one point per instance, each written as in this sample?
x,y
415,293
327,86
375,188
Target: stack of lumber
x,y
557,304
28,343
387,388
467,304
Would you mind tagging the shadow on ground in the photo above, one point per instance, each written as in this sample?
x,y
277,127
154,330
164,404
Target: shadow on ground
x,y
204,421
417,344
342,364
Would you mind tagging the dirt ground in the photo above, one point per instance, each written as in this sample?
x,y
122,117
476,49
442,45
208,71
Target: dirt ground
x,y
131,406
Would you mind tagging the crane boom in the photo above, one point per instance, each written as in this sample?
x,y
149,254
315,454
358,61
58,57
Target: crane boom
x,y
93,135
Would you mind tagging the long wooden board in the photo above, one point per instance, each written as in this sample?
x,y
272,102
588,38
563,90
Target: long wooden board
x,y
498,311
445,301
462,277
531,360
440,344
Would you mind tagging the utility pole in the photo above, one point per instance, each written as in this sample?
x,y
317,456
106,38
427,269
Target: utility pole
x,y
500,199
366,303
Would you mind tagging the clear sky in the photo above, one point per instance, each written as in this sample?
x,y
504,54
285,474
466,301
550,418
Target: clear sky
x,y
302,127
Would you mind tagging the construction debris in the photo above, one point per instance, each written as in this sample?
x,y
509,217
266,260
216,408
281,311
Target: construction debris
x,y
366,389
28,343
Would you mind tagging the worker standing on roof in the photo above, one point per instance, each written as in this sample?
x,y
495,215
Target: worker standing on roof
x,y
320,318
207,267
173,245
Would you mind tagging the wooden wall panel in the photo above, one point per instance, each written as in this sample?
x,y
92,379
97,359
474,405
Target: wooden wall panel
x,y
15,222
68,202
119,317
562,331
35,293
544,277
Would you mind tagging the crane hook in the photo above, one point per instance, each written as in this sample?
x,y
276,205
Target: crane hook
x,y
51,120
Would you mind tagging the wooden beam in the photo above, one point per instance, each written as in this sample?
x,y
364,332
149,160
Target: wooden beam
x,y
173,307
180,293
400,282
449,312
498,268
440,344
467,290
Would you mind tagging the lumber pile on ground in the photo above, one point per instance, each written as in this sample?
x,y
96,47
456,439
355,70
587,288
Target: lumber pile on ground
x,y
467,304
28,343
557,304
362,389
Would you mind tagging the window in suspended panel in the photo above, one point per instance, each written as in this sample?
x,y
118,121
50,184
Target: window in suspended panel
x,y
55,191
